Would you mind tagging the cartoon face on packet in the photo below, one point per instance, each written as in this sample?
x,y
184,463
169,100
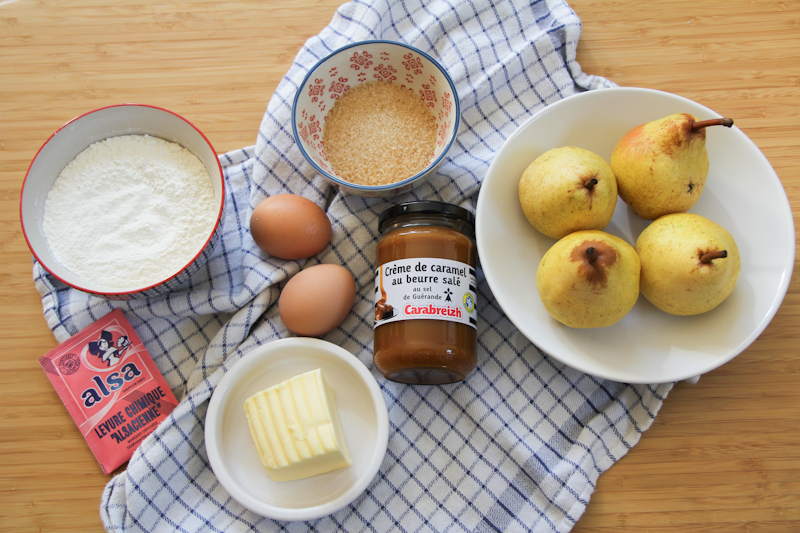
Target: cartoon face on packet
x,y
105,349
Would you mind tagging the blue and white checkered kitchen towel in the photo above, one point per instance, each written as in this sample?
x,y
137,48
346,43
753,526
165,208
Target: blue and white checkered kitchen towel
x,y
518,446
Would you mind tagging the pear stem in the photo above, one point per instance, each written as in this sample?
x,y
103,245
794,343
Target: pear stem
x,y
710,256
589,184
727,122
591,255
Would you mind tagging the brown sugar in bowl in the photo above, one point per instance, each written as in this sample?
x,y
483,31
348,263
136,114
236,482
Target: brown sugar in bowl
x,y
378,133
362,117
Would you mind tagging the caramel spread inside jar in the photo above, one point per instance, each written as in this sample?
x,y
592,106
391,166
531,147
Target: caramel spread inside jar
x,y
425,294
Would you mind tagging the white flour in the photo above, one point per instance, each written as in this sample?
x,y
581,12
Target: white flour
x,y
129,211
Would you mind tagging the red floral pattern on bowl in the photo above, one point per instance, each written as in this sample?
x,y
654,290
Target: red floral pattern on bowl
x,y
361,63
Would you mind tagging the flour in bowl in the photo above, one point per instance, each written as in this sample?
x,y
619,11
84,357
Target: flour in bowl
x,y
130,211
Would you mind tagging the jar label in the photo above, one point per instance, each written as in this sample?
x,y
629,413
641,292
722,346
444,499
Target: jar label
x,y
425,288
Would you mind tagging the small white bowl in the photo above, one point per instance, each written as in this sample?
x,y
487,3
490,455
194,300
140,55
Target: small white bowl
x,y
359,63
75,136
233,455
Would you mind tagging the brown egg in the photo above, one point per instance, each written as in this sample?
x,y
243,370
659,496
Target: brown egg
x,y
289,226
317,299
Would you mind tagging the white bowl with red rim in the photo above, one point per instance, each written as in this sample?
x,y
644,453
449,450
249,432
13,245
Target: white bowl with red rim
x,y
359,63
74,137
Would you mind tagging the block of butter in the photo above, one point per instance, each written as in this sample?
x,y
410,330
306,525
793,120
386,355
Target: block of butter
x,y
296,429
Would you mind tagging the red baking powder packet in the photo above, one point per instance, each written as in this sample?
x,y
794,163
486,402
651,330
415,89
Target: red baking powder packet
x,y
111,388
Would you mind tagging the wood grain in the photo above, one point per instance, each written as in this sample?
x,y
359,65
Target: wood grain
x,y
722,455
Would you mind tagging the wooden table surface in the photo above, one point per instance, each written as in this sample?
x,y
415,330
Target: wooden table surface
x,y
722,455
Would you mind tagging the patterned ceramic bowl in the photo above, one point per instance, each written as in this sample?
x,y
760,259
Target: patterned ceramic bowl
x,y
370,61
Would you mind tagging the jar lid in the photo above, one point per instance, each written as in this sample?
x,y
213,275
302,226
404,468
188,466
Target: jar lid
x,y
424,207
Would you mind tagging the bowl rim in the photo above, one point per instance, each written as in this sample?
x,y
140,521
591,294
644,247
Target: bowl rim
x,y
398,184
221,396
153,285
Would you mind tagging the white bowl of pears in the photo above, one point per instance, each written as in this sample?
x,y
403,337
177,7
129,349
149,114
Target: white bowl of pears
x,y
635,235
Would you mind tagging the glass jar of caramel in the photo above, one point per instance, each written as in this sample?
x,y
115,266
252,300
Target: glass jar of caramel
x,y
425,293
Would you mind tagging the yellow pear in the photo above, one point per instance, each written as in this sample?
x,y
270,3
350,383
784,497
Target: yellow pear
x,y
589,279
568,189
662,166
689,263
